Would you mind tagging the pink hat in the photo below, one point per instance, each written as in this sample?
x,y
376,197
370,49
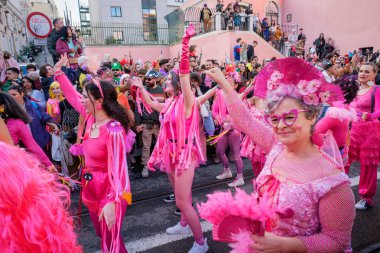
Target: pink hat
x,y
297,78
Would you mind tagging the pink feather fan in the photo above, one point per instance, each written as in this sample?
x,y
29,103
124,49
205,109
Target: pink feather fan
x,y
231,215
292,72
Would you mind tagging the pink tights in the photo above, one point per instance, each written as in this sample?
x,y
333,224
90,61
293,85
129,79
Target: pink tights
x,y
232,139
103,232
182,191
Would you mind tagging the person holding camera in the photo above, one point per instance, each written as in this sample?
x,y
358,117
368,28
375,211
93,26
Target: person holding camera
x,y
148,123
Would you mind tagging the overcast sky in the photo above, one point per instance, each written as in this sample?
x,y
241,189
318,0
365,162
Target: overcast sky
x,y
72,5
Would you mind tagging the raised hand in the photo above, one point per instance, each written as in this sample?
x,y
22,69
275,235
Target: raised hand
x,y
137,82
62,62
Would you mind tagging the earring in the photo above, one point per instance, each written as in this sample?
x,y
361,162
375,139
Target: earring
x,y
98,106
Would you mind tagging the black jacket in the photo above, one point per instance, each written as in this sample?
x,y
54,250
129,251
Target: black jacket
x,y
51,43
250,52
210,13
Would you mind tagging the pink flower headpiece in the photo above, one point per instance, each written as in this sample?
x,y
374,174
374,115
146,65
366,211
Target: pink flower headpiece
x,y
235,75
298,78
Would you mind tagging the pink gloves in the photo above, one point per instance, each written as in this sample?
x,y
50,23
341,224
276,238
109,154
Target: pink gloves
x,y
184,65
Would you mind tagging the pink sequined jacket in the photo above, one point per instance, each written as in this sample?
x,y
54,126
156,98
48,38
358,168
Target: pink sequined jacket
x,y
322,202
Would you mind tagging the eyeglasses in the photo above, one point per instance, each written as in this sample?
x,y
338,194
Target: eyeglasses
x,y
288,118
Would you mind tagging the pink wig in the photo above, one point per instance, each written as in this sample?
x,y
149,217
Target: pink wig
x,y
33,207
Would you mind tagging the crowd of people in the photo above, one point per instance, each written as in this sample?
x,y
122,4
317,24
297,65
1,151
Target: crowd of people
x,y
301,121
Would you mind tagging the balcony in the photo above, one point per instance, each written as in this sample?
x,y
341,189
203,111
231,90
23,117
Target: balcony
x,y
175,3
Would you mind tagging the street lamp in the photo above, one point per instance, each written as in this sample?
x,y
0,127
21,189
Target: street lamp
x,y
3,2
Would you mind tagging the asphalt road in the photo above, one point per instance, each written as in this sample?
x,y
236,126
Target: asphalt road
x,y
148,217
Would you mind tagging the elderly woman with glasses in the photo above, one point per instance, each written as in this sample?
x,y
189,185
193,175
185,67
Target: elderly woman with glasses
x,y
303,180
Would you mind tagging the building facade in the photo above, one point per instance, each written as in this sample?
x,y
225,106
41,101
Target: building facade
x,y
47,7
131,21
13,31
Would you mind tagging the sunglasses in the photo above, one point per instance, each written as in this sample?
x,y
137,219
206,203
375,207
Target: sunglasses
x,y
288,118
116,70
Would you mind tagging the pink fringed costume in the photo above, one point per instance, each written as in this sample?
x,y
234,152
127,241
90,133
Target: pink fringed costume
x,y
105,176
365,142
178,141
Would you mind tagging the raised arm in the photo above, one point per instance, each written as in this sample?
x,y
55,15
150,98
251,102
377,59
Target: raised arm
x,y
68,89
184,70
209,94
155,105
242,118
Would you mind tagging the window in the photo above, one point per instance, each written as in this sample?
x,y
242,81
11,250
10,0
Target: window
x,y
118,35
115,11
149,15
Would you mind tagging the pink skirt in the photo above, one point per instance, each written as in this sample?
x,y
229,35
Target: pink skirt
x,y
164,162
365,143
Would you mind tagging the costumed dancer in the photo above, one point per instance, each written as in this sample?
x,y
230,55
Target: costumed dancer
x,y
34,213
248,148
178,150
299,178
16,119
52,105
365,134
106,142
229,135
338,118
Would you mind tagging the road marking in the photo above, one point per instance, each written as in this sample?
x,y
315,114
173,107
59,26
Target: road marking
x,y
163,238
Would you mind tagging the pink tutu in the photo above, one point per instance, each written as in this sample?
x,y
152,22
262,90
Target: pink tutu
x,y
365,142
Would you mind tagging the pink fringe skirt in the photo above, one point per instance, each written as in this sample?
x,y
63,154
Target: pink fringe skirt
x,y
365,143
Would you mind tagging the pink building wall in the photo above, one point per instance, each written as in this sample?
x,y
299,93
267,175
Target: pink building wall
x,y
353,24
214,45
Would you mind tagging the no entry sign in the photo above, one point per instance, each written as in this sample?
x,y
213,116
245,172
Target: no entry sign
x,y
39,25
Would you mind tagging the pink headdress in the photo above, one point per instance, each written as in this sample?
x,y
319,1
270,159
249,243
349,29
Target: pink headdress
x,y
298,78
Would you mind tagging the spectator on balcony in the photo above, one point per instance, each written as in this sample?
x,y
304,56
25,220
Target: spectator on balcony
x,y
237,19
320,45
329,47
219,6
230,23
68,44
265,29
277,37
227,14
249,10
272,27
243,20
206,18
53,38
301,35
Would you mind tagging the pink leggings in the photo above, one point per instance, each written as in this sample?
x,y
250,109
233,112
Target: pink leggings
x,y
106,235
182,191
232,138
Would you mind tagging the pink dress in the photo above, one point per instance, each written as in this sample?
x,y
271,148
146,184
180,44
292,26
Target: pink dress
x,y
365,136
20,132
321,199
170,150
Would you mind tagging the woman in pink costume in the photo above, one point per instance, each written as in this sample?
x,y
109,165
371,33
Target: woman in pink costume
x,y
52,105
16,119
338,118
178,150
298,176
365,135
34,213
107,139
229,136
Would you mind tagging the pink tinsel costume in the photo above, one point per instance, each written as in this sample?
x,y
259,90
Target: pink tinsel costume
x,y
319,203
365,143
105,176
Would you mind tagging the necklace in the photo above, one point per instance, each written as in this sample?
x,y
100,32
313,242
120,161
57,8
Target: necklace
x,y
97,123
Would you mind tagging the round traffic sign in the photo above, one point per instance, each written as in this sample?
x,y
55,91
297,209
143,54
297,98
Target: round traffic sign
x,y
39,25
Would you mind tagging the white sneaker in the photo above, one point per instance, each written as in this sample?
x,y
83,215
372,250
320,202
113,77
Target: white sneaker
x,y
363,205
226,174
199,248
239,181
145,172
178,229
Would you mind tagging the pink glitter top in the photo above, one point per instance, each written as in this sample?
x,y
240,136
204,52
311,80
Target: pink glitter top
x,y
321,198
20,132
